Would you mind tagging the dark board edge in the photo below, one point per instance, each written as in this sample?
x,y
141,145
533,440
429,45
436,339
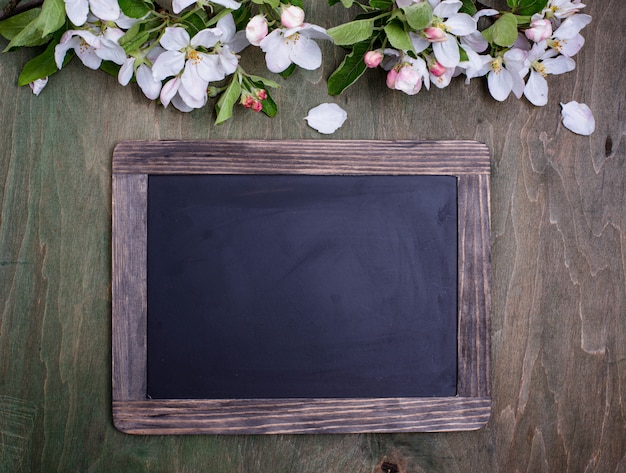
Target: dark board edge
x,y
277,157
301,416
133,161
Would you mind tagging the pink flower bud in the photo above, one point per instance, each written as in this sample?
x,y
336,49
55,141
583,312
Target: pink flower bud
x,y
435,35
373,58
256,29
292,16
260,94
539,30
247,100
437,69
391,78
257,106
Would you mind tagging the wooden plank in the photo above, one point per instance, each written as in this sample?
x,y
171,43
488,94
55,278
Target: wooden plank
x,y
129,308
259,156
300,416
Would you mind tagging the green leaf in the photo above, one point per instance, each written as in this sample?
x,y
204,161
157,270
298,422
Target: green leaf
x,y
349,71
352,32
29,36
397,36
12,26
503,32
287,72
418,15
52,16
271,3
468,7
512,3
134,8
227,101
383,5
530,7
40,66
264,81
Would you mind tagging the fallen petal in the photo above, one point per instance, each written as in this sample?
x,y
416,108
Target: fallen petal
x,y
578,118
326,118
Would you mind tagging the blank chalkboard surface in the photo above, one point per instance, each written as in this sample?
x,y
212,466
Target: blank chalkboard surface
x,y
300,287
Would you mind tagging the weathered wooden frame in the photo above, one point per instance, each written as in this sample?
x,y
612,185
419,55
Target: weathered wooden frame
x,y
135,414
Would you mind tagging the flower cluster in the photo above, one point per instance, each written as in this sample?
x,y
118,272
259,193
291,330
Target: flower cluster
x,y
187,52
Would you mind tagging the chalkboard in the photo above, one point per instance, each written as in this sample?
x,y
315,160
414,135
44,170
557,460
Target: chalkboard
x,y
266,287
301,286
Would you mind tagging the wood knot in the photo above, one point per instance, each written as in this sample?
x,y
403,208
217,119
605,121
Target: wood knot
x,y
389,467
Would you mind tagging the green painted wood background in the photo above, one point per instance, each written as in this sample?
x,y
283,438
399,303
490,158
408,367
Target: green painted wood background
x,y
559,284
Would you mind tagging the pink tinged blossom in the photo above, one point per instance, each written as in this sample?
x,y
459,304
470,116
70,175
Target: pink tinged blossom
x,y
408,80
326,118
373,58
91,48
566,39
256,29
539,30
292,16
37,85
456,24
577,117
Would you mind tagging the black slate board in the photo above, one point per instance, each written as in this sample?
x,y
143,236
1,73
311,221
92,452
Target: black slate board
x,y
278,286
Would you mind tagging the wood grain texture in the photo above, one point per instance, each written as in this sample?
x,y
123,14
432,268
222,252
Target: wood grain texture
x,y
133,161
558,268
288,416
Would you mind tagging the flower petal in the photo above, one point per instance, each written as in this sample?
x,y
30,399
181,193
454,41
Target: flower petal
x,y
180,5
461,24
126,71
169,90
306,53
68,41
500,84
572,26
578,118
447,52
326,118
559,65
175,38
536,90
276,52
447,8
168,64
77,11
207,37
150,87
107,10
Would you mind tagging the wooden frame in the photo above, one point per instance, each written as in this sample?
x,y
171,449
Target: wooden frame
x,y
135,414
